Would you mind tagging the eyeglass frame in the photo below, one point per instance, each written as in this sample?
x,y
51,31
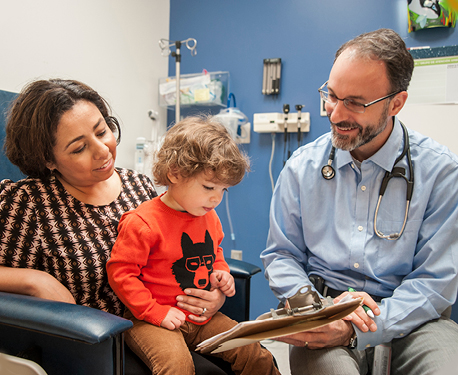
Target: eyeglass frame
x,y
344,100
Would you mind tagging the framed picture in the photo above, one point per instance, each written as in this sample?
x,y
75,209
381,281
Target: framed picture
x,y
426,14
322,108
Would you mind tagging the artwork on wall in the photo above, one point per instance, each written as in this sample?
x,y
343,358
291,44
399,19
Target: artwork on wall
x,y
426,14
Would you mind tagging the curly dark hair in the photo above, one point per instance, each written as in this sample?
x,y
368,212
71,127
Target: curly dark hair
x,y
385,45
33,119
200,144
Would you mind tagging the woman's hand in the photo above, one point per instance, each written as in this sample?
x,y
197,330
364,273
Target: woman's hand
x,y
33,283
196,300
43,285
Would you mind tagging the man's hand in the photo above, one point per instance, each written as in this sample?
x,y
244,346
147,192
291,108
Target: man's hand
x,y
359,317
337,333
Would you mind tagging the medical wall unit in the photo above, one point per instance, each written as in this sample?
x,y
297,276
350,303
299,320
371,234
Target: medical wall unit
x,y
275,122
286,123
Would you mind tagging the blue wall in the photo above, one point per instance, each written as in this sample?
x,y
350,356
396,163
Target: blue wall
x,y
235,36
7,170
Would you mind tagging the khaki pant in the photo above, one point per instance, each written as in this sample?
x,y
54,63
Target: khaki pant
x,y
167,352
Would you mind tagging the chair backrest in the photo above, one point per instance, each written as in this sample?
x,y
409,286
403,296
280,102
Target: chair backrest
x,y
10,365
7,170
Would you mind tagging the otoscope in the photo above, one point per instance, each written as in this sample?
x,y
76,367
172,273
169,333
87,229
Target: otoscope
x,y
299,135
285,111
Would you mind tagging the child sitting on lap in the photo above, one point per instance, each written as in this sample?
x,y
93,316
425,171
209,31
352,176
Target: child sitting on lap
x,y
172,243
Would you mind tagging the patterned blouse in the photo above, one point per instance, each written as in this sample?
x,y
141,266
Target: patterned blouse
x,y
45,228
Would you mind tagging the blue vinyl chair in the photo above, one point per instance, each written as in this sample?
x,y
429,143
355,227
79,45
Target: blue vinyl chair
x,y
71,339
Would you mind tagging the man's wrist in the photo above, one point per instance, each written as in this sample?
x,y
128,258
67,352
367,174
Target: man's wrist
x,y
353,341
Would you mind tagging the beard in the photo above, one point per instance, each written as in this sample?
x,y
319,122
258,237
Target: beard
x,y
364,136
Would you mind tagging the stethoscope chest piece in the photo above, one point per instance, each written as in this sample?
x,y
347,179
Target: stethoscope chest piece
x,y
328,172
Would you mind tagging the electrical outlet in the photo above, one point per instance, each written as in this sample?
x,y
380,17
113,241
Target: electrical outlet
x,y
236,254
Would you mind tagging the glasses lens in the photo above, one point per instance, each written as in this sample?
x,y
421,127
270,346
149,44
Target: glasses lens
x,y
192,264
326,98
354,106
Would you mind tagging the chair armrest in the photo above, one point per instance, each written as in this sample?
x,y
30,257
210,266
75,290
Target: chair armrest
x,y
238,306
61,319
241,269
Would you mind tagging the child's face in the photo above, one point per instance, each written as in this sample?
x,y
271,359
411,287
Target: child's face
x,y
196,195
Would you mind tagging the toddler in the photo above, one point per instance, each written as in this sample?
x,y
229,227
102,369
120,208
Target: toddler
x,y
172,243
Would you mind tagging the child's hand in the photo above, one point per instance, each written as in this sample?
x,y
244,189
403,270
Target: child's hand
x,y
223,281
174,319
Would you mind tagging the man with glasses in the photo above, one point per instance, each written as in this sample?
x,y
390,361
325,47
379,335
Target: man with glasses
x,y
322,230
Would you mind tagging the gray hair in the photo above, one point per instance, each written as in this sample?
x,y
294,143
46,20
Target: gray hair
x,y
387,46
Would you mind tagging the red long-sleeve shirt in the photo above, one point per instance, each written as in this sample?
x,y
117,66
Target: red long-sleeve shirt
x,y
160,252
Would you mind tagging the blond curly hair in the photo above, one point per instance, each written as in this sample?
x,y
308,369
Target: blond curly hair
x,y
200,144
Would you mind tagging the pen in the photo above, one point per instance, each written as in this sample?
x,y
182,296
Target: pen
x,y
366,308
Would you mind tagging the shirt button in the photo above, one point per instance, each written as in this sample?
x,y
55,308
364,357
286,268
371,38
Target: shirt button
x,y
363,188
356,265
360,228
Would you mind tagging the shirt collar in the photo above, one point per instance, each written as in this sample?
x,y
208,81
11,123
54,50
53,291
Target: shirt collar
x,y
385,157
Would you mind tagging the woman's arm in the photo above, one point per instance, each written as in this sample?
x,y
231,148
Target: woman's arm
x,y
33,283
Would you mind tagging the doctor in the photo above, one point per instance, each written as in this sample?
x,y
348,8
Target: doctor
x,y
322,225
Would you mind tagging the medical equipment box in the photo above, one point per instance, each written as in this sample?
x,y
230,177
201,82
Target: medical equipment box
x,y
205,89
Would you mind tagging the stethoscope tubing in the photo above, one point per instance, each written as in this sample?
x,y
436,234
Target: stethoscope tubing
x,y
328,173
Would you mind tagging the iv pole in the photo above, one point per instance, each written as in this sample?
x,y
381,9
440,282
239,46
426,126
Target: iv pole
x,y
165,45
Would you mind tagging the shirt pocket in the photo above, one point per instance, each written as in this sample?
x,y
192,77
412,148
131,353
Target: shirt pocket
x,y
394,258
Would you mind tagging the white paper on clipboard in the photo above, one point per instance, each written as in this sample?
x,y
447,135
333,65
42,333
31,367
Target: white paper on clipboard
x,y
265,327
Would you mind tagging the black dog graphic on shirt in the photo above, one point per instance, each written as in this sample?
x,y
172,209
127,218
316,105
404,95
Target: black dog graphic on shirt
x,y
194,268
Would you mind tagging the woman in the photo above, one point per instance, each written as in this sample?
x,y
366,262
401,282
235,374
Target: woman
x,y
57,226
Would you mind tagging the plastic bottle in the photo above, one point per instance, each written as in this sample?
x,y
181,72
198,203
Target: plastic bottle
x,y
140,155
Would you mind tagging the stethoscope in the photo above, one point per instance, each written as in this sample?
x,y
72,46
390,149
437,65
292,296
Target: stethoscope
x,y
328,173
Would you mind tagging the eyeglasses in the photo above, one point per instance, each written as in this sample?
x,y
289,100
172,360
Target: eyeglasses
x,y
349,103
193,264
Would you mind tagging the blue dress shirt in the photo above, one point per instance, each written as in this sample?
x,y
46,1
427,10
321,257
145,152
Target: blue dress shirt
x,y
326,228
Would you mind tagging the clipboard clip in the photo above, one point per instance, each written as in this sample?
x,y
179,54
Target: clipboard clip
x,y
302,303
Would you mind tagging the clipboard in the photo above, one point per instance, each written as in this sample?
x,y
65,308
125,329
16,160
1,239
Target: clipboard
x,y
302,312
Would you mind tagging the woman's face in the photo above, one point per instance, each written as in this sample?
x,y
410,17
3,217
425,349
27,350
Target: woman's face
x,y
85,149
